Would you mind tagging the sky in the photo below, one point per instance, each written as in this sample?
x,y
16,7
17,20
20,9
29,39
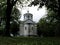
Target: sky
x,y
37,14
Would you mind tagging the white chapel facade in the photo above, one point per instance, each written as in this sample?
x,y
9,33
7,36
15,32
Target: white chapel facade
x,y
28,26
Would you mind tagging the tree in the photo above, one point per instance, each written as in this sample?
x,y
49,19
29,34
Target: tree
x,y
2,11
15,16
2,15
10,4
55,22
49,25
45,28
14,28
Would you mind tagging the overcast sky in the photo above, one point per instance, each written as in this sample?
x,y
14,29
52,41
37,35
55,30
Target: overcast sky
x,y
37,14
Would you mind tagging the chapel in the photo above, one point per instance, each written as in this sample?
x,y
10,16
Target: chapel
x,y
28,26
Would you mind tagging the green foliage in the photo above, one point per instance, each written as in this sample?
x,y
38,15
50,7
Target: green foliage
x,y
14,28
48,3
2,9
16,14
3,1
47,26
2,16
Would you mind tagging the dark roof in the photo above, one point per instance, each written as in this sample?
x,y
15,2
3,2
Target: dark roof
x,y
27,14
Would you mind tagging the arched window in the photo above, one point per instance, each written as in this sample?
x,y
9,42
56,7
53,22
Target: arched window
x,y
28,16
25,28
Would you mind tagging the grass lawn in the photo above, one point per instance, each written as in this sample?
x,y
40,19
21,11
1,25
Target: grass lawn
x,y
29,41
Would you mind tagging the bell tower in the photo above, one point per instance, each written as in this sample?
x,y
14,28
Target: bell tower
x,y
28,16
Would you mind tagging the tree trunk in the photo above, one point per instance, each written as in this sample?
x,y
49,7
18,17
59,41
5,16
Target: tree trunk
x,y
8,17
10,5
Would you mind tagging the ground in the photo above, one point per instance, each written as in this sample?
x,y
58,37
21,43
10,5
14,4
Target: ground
x,y
29,41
